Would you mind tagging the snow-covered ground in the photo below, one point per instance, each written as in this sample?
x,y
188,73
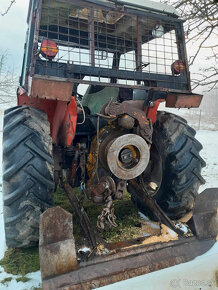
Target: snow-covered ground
x,y
197,274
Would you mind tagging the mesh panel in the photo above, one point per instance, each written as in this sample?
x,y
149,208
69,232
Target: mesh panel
x,y
96,44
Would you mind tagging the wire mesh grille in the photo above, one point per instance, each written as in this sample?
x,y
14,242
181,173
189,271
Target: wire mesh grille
x,y
96,44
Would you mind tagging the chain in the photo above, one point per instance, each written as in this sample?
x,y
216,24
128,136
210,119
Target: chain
x,y
82,166
107,215
97,159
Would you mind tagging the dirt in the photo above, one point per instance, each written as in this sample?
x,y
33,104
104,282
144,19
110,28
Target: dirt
x,y
165,235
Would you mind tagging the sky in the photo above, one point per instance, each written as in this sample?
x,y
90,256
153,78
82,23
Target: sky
x,y
13,32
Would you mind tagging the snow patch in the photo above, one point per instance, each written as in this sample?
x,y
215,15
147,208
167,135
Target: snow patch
x,y
84,250
182,227
144,217
34,282
172,233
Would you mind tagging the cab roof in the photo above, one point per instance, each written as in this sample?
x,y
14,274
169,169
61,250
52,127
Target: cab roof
x,y
146,5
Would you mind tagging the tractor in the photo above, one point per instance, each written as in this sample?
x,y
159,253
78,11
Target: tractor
x,y
93,77
94,74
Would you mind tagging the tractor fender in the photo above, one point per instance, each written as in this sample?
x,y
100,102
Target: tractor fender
x,y
62,116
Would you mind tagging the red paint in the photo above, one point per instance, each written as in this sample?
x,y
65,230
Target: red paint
x,y
68,128
152,111
62,116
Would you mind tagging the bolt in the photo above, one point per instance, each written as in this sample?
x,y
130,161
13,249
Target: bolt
x,y
153,185
151,104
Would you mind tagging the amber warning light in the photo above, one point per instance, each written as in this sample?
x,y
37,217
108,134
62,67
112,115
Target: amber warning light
x,y
178,67
49,49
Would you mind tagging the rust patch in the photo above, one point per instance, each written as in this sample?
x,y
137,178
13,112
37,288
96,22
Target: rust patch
x,y
56,243
51,89
174,100
204,223
56,225
129,263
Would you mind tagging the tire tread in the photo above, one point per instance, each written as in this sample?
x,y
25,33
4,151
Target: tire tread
x,y
28,181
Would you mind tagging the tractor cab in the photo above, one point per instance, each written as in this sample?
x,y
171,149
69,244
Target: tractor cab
x,y
118,49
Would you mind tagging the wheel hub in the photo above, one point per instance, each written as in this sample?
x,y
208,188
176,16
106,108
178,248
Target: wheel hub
x,y
127,156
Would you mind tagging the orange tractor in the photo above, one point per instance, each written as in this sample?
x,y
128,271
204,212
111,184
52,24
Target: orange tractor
x,y
93,76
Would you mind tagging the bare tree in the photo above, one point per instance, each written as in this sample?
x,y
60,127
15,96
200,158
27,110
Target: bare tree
x,y
7,10
201,28
8,81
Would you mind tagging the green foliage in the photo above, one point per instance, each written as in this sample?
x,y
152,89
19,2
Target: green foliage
x,y
125,211
21,261
127,219
6,280
61,199
23,279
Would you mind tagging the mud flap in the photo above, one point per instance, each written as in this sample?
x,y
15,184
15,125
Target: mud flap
x,y
137,258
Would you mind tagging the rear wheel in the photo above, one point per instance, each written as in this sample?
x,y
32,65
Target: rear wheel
x,y
28,181
181,164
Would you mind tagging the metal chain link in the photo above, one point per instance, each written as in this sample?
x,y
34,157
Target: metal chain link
x,y
107,216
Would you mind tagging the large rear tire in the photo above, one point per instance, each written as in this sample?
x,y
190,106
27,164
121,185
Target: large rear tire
x,y
28,179
181,163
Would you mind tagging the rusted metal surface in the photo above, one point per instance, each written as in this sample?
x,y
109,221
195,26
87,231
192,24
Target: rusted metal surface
x,y
107,216
126,122
87,228
128,259
104,192
51,89
204,222
104,84
154,207
183,53
97,191
56,245
174,100
92,36
139,45
145,127
121,188
129,263
125,156
131,164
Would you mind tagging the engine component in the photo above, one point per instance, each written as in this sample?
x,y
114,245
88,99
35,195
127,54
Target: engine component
x,y
121,187
97,192
113,110
127,156
126,122
104,191
113,151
